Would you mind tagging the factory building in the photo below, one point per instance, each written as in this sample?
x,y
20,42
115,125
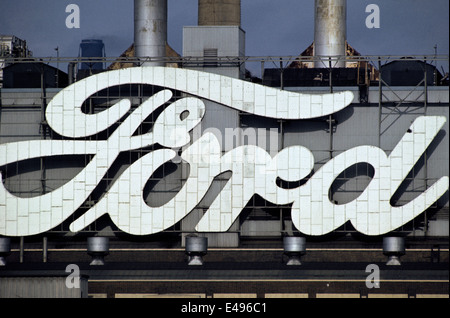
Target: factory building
x,y
11,47
172,174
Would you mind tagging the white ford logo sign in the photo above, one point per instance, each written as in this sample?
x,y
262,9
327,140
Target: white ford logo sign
x,y
254,170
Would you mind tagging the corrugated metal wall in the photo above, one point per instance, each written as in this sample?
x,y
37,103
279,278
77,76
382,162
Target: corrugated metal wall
x,y
41,287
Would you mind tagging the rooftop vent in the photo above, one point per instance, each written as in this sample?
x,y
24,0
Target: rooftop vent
x,y
393,247
98,248
294,248
196,248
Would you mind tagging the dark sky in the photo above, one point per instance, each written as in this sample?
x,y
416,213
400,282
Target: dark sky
x,y
273,28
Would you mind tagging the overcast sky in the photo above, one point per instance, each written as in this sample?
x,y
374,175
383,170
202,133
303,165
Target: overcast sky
x,y
273,28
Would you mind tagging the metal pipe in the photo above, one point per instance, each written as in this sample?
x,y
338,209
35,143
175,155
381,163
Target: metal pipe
x,y
330,30
380,96
71,72
425,154
43,128
21,249
150,30
281,75
44,249
330,117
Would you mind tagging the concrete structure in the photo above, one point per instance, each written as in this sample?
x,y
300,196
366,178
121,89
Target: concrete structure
x,y
219,12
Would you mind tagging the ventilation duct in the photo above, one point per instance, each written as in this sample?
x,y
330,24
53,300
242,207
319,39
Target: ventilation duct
x,y
294,248
98,248
196,248
393,247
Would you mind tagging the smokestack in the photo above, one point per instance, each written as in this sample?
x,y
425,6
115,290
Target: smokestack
x,y
150,30
219,12
330,30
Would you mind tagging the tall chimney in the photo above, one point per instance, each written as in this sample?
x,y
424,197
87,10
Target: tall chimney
x,y
330,31
150,30
219,12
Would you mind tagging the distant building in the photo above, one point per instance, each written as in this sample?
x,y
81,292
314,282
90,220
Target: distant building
x,y
92,48
409,72
11,47
31,74
91,52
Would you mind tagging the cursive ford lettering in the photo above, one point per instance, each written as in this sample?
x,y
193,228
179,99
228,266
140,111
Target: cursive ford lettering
x,y
254,171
